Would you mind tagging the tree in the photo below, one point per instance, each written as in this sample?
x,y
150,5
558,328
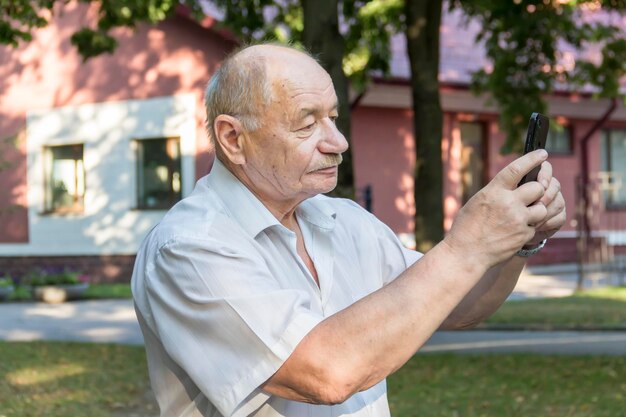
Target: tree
x,y
523,42
351,38
423,19
521,39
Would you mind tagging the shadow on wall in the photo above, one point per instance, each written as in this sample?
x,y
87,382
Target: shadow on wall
x,y
176,56
13,210
110,222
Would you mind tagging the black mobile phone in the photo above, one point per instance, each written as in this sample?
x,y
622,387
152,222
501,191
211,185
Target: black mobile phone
x,y
536,137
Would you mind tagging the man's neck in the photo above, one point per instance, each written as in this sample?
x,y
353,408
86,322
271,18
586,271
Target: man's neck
x,y
283,209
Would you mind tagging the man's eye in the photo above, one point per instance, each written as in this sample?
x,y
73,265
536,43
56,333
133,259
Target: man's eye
x,y
334,118
308,127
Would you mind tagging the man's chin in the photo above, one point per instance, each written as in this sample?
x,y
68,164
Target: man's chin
x,y
325,187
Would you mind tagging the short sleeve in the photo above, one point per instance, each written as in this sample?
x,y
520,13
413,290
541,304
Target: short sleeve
x,y
224,319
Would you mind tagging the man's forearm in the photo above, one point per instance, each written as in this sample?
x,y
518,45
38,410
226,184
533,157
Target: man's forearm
x,y
359,346
487,295
362,344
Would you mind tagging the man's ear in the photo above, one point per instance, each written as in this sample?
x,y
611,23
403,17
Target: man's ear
x,y
230,133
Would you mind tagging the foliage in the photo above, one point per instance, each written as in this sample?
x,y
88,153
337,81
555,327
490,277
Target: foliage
x,y
6,281
18,18
525,43
108,291
94,292
366,26
53,276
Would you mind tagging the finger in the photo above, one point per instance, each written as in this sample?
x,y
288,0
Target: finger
x,y
511,174
554,188
553,224
530,192
556,207
545,174
537,214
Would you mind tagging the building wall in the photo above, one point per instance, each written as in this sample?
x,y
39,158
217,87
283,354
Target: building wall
x,y
175,59
384,156
110,223
172,58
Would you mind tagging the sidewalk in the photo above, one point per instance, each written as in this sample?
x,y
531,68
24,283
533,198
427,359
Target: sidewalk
x,y
102,321
114,321
557,281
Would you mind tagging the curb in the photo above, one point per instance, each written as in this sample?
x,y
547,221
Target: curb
x,y
549,328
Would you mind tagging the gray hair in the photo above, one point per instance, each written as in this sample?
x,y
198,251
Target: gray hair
x,y
239,88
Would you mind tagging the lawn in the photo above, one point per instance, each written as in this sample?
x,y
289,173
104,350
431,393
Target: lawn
x,y
509,386
599,308
73,379
55,379
95,291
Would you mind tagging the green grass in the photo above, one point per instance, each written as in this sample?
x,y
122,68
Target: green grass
x,y
73,379
108,291
95,291
599,308
509,386
56,379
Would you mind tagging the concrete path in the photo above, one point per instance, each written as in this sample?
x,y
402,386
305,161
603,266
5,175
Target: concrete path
x,y
89,321
114,321
548,343
559,281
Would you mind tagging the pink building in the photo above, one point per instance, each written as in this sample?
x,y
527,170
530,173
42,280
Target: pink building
x,y
92,154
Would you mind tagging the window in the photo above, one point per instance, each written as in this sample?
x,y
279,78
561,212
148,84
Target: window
x,y
64,179
472,159
613,155
559,139
158,173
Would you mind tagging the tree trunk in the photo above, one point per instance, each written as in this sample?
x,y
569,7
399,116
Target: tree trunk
x,y
423,18
322,38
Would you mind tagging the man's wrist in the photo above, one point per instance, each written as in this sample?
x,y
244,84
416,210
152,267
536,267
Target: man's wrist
x,y
525,252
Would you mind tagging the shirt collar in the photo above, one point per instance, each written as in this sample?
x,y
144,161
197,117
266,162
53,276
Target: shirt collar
x,y
250,212
318,212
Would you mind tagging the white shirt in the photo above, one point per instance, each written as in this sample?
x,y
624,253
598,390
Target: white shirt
x,y
223,298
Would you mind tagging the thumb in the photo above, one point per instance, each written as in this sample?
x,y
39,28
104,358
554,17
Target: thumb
x,y
512,174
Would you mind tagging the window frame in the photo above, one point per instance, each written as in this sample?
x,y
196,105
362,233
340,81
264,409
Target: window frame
x,y
609,203
570,136
78,206
173,196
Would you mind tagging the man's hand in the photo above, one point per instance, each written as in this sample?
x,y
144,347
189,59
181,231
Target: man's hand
x,y
553,201
502,217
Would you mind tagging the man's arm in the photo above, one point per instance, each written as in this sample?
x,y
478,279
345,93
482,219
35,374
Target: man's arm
x,y
498,283
362,344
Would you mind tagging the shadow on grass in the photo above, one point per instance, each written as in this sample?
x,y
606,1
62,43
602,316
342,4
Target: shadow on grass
x,y
74,379
434,385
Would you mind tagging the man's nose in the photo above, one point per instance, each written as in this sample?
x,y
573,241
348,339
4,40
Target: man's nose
x,y
334,141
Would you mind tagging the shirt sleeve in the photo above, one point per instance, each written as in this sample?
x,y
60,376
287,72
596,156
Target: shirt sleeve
x,y
224,319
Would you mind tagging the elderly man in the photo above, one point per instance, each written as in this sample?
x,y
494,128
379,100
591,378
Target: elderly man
x,y
257,295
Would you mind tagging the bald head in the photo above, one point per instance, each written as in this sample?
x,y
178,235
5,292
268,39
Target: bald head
x,y
244,84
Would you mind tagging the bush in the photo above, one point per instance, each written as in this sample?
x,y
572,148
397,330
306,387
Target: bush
x,y
42,277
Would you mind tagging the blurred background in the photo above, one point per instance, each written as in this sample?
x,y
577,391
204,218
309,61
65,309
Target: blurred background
x,y
102,130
